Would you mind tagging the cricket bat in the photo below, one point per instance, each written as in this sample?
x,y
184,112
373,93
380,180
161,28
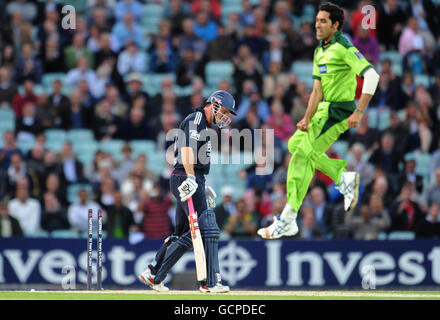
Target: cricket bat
x,y
199,251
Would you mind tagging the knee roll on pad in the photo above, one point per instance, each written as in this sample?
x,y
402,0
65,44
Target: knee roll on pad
x,y
208,224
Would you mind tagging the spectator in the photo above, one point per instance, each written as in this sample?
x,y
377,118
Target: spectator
x,y
71,170
120,220
28,126
390,24
323,210
28,9
247,13
367,44
9,226
117,106
106,191
429,227
360,164
386,156
274,84
189,40
132,7
212,6
281,122
372,219
382,187
366,135
21,99
29,67
54,216
163,59
18,171
53,186
256,104
156,223
398,131
132,60
222,47
309,228
81,72
9,147
107,48
7,89
226,208
357,20
405,213
410,38
249,72
188,68
431,194
409,175
425,11
134,127
25,209
127,30
77,50
243,224
77,212
58,102
205,28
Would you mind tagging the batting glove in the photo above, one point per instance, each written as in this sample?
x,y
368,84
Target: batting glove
x,y
187,188
210,197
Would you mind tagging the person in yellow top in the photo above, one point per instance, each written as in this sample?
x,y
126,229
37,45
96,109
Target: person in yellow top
x,y
330,112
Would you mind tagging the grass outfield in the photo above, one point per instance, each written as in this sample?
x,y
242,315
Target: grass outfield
x,y
233,295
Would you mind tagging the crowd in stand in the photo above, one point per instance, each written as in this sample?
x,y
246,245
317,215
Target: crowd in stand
x,y
104,59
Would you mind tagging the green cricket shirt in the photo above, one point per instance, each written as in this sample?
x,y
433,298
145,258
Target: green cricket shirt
x,y
336,66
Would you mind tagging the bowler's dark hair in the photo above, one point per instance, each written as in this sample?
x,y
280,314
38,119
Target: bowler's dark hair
x,y
336,13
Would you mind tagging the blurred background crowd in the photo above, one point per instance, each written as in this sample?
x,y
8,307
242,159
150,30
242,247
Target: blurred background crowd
x,y
84,114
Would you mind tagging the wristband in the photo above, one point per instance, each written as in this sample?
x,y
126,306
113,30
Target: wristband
x,y
192,177
359,111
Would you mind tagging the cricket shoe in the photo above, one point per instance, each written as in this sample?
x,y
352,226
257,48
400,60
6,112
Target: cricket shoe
x,y
279,228
218,288
148,278
349,188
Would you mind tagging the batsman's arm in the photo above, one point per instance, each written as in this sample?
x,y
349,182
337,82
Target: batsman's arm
x,y
188,160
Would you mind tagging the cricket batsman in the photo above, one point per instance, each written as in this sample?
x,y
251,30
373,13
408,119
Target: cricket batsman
x,y
331,111
191,164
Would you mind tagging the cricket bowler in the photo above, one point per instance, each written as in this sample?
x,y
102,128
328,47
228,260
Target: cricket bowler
x,y
191,164
330,112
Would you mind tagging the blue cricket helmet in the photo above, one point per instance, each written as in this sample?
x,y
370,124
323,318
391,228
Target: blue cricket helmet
x,y
223,99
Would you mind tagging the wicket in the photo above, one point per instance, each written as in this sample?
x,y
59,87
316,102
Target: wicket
x,y
90,250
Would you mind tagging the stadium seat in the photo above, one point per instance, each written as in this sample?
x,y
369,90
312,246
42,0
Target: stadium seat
x,y
56,135
216,71
146,147
7,124
7,113
401,235
372,118
73,189
49,78
65,234
80,135
85,151
152,83
79,5
382,236
38,234
25,145
229,7
393,56
112,147
156,162
152,14
383,119
422,79
55,146
304,71
340,147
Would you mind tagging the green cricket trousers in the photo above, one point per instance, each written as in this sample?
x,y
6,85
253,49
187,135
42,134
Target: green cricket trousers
x,y
308,149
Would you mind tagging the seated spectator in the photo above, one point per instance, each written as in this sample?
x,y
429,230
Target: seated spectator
x,y
226,208
398,131
18,171
281,122
21,99
162,59
156,223
405,213
54,216
28,67
9,226
250,71
134,127
299,100
135,88
123,7
323,210
247,13
212,6
382,187
367,44
107,48
8,89
106,192
222,47
9,147
77,50
188,68
189,40
359,163
366,135
81,72
429,227
409,175
27,126
410,37
106,122
27,9
432,193
243,224
25,209
58,102
386,156
127,30
371,219
274,84
205,28
120,220
70,169
280,174
53,186
255,103
77,212
309,228
52,57
132,59
256,44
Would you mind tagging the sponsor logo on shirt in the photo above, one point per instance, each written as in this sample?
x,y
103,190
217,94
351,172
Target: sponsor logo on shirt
x,y
359,55
194,135
322,68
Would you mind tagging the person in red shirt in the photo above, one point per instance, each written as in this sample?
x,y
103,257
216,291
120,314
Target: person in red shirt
x,y
156,223
210,6
20,100
357,18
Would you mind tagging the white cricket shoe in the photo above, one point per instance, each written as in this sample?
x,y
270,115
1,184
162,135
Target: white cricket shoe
x,y
279,228
349,188
218,288
148,278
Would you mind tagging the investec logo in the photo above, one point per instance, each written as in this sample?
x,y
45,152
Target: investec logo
x,y
409,269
